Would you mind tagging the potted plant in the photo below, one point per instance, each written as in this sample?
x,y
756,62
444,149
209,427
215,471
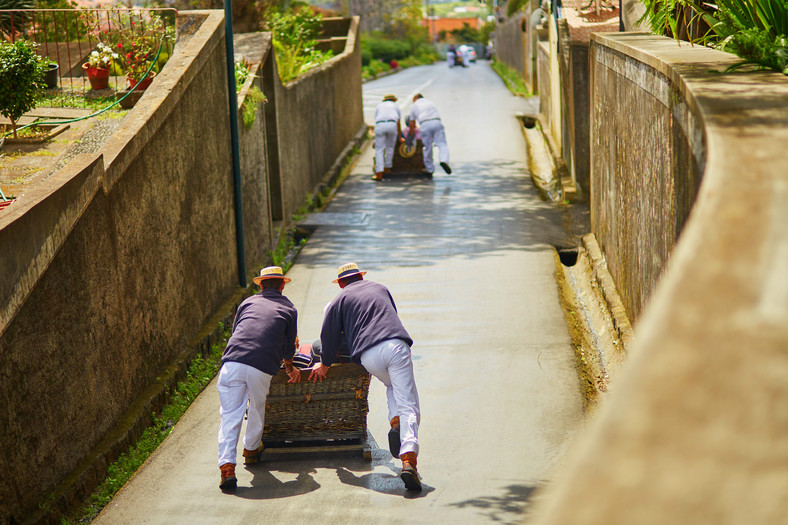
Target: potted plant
x,y
22,71
139,42
98,64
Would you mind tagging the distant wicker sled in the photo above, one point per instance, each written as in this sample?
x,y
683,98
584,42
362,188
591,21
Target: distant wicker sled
x,y
328,416
407,162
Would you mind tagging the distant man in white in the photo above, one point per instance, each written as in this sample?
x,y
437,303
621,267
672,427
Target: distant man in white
x,y
465,53
451,55
387,132
424,113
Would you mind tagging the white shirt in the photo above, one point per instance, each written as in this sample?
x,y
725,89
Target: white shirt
x,y
422,110
387,110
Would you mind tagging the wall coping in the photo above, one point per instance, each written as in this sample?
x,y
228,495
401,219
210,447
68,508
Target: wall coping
x,y
694,430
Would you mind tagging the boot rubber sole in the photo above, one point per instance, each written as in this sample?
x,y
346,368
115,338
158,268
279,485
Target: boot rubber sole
x,y
229,485
394,442
411,480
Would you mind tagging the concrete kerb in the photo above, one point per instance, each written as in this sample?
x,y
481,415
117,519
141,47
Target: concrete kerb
x,y
539,141
613,301
600,331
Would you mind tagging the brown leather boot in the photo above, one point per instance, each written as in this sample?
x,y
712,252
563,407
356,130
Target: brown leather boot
x,y
253,456
228,482
409,474
394,442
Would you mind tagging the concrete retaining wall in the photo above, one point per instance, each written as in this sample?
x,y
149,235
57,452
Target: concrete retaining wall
x,y
122,284
694,429
644,135
545,82
512,46
116,271
317,115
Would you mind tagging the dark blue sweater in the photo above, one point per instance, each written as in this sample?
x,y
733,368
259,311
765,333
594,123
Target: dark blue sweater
x,y
264,332
366,312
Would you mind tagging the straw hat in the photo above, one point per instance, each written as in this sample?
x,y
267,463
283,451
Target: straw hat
x,y
271,272
390,97
348,270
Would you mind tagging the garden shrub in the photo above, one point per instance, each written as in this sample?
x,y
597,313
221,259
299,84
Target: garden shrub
x,y
384,49
22,71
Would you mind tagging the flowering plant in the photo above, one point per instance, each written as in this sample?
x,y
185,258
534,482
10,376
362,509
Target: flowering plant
x,y
138,42
133,35
102,56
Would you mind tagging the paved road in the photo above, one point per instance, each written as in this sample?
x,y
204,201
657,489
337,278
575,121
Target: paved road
x,y
469,261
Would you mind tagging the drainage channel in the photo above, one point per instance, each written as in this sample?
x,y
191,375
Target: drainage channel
x,y
544,173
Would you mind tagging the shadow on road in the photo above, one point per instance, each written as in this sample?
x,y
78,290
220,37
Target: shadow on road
x,y
506,508
266,486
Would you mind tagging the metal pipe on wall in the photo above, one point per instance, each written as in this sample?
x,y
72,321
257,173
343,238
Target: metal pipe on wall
x,y
232,97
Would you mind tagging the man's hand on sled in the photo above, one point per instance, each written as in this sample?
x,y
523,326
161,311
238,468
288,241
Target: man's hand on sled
x,y
292,372
318,373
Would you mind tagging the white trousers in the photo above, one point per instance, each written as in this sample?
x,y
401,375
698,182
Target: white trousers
x,y
390,362
450,58
385,141
238,382
432,132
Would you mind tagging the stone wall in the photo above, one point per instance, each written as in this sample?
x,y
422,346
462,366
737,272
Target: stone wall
x,y
118,269
254,151
317,116
643,135
512,46
130,278
693,431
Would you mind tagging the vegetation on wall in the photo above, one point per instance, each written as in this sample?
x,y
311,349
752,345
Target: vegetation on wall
x,y
295,34
754,30
514,5
514,82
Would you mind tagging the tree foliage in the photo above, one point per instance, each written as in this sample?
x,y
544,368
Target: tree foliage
x,y
14,23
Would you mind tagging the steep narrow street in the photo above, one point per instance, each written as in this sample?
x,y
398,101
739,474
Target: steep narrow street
x,y
470,261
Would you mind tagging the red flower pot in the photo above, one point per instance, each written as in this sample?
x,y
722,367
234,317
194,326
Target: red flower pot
x,y
99,77
141,86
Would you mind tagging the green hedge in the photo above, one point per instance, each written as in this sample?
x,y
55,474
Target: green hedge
x,y
385,50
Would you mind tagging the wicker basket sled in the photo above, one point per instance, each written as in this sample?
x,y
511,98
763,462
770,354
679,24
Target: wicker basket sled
x,y
329,416
407,163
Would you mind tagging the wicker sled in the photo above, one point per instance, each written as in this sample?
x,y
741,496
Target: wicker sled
x,y
328,416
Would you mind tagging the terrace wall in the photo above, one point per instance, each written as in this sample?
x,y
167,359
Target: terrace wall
x,y
688,193
318,115
117,270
